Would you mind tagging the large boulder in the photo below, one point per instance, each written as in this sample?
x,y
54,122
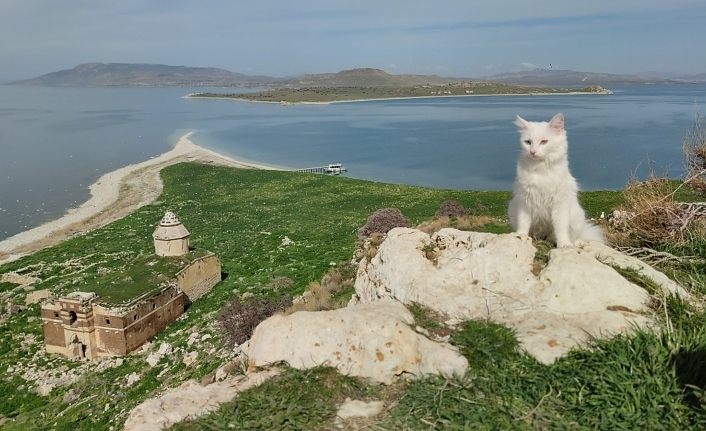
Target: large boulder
x,y
369,340
553,307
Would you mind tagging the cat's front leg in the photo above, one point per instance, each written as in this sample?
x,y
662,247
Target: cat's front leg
x,y
561,226
522,216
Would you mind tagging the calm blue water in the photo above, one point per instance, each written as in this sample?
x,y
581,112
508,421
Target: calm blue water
x,y
54,142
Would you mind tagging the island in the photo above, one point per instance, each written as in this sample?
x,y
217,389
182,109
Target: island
x,y
335,94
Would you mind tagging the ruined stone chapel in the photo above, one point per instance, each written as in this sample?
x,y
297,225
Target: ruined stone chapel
x,y
81,325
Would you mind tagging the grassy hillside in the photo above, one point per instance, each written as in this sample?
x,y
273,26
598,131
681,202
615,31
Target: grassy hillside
x,y
341,93
647,381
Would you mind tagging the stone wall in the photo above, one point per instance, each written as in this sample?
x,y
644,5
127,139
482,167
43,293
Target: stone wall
x,y
200,276
119,333
152,316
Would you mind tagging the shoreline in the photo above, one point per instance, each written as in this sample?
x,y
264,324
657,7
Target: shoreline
x,y
239,99
113,196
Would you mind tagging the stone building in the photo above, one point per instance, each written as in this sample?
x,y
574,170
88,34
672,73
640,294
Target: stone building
x,y
81,325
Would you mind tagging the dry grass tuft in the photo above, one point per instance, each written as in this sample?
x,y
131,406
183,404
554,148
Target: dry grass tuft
x,y
694,148
332,292
368,248
651,216
467,222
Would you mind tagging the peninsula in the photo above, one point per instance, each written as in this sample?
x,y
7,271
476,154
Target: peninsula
x,y
366,93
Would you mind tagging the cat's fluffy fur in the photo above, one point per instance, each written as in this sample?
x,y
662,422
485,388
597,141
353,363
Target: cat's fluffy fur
x,y
544,204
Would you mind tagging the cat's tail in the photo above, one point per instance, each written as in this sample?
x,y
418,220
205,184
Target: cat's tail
x,y
589,231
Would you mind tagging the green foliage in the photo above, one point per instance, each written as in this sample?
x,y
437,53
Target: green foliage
x,y
5,286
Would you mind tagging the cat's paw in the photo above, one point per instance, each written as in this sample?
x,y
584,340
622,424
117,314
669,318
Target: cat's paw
x,y
565,244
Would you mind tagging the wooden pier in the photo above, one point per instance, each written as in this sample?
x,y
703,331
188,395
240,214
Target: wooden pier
x,y
330,169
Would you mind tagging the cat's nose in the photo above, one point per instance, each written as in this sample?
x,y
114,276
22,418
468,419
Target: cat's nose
x,y
533,152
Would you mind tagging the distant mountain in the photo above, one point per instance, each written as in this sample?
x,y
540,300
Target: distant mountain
x,y
570,78
144,75
160,75
365,77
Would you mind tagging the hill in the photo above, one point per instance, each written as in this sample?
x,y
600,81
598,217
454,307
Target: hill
x,y
556,77
160,75
144,75
366,77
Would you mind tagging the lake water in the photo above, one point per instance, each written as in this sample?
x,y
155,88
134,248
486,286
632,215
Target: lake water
x,y
54,142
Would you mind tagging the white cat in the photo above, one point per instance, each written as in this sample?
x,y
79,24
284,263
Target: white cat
x,y
544,204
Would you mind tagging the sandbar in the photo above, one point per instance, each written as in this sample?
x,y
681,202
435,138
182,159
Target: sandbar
x,y
115,195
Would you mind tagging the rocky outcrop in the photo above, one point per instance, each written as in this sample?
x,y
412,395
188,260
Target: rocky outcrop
x,y
553,307
370,340
190,400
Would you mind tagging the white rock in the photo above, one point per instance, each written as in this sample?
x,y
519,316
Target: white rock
x,y
356,408
485,276
370,340
165,349
221,374
190,357
205,337
189,400
193,337
37,296
154,358
132,379
45,389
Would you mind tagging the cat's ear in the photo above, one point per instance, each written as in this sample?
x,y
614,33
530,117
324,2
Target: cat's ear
x,y
521,123
557,122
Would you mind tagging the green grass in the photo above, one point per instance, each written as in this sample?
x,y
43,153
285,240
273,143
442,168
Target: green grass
x,y
5,286
646,381
137,276
295,400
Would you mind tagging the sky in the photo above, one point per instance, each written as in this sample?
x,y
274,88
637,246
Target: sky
x,y
458,38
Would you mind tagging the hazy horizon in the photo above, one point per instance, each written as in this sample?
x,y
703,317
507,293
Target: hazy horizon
x,y
276,38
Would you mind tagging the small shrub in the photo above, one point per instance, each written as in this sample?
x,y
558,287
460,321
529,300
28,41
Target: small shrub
x,y
382,221
451,208
238,319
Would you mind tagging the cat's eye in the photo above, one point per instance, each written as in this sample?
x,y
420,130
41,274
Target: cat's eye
x,y
544,141
528,142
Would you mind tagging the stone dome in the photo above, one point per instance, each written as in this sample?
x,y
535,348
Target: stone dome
x,y
169,219
170,228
